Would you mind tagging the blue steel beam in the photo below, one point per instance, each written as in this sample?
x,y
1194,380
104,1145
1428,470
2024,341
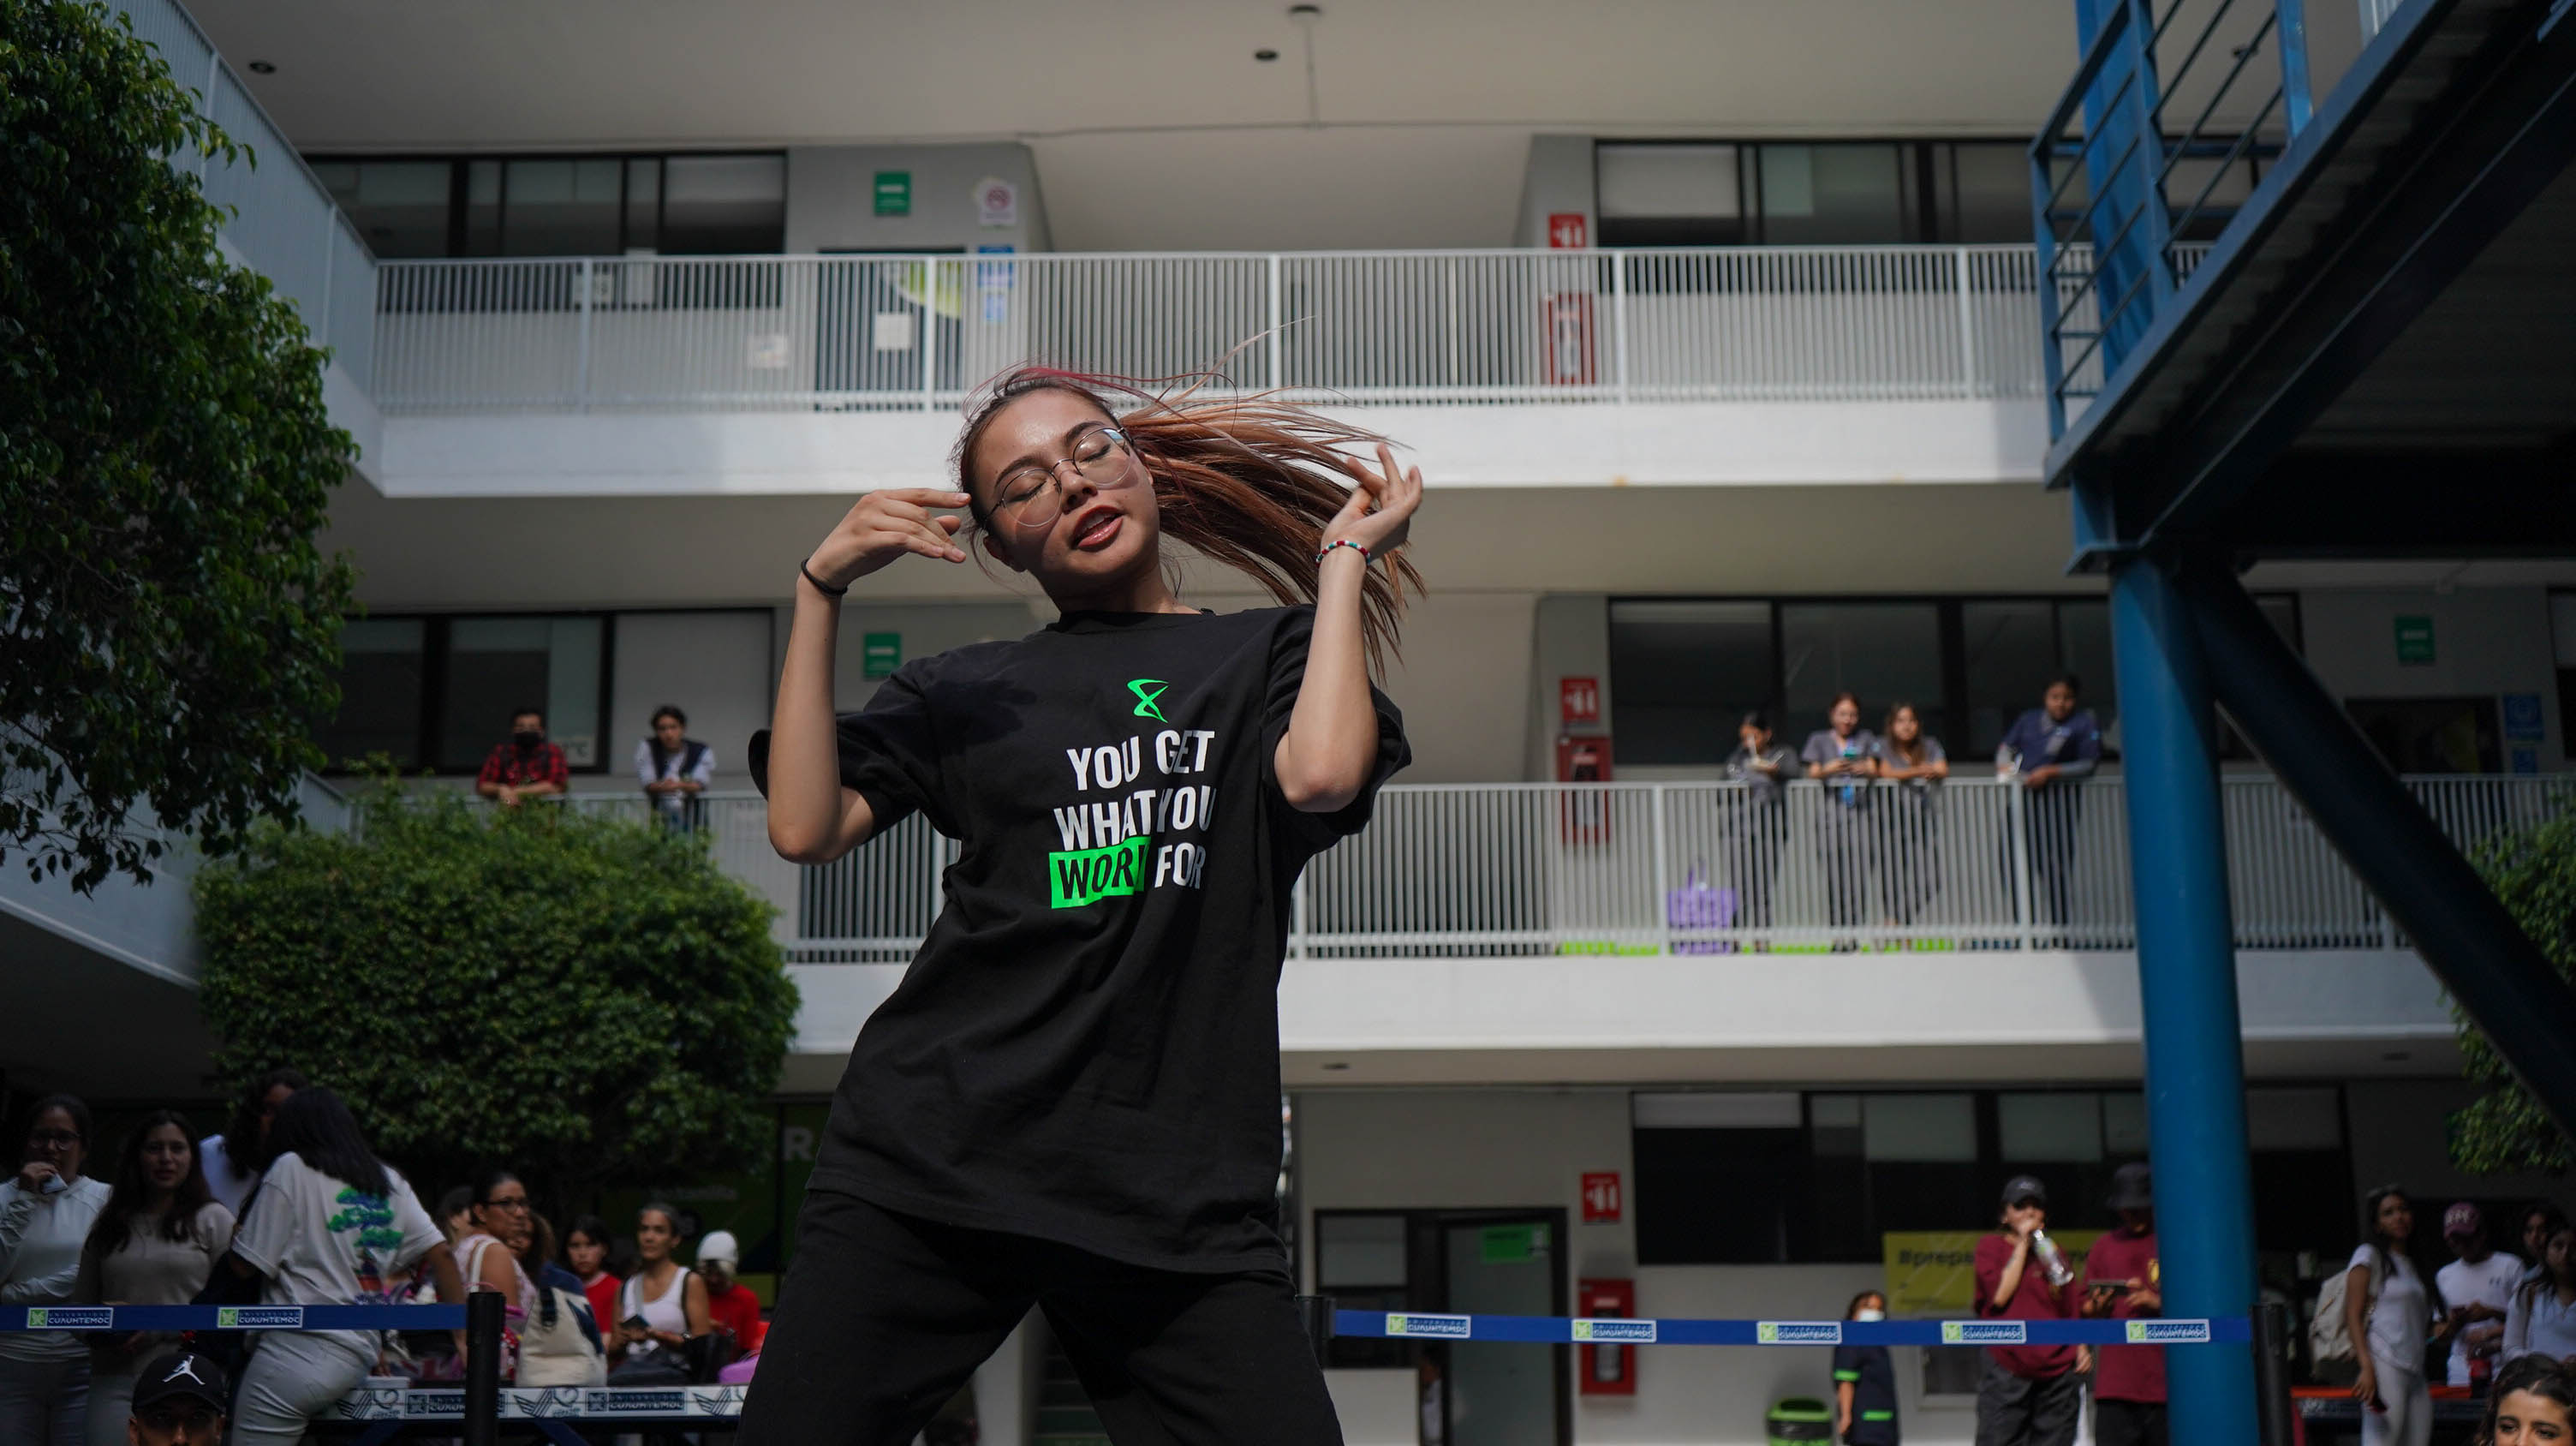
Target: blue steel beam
x,y
2187,990
2474,947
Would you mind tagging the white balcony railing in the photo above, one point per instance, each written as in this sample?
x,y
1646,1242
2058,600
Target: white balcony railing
x,y
790,333
283,223
1466,870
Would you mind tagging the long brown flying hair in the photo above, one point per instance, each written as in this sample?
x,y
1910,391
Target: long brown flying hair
x,y
1249,481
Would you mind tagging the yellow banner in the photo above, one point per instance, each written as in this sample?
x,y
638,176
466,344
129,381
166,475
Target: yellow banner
x,y
1934,1272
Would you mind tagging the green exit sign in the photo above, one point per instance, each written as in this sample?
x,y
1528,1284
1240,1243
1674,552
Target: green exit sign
x,y
2415,640
880,654
894,193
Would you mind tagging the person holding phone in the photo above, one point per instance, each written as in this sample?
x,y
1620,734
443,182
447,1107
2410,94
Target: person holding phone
x,y
2389,1312
661,1308
1844,755
2123,1280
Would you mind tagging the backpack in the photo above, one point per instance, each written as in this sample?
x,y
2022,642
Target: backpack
x,y
2329,1339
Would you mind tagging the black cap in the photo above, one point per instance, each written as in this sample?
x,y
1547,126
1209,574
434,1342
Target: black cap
x,y
177,1374
2133,1187
2024,1187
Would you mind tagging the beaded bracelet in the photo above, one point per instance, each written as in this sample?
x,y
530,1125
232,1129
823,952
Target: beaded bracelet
x,y
1342,542
819,585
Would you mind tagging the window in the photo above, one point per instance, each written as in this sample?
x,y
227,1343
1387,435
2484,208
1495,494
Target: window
x,y
381,686
1726,1178
2010,651
561,208
1687,673
438,692
1668,195
1888,653
1982,191
400,208
723,205
1364,1260
681,205
1843,194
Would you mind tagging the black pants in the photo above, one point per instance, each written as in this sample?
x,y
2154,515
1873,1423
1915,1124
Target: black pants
x,y
2018,1411
2128,1423
884,1316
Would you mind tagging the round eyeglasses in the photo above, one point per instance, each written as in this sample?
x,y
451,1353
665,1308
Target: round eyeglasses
x,y
1031,497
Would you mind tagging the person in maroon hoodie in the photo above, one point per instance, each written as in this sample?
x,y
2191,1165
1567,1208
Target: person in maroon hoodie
x,y
2123,1281
2030,1395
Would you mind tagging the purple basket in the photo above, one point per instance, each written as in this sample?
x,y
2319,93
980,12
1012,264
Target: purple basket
x,y
1697,905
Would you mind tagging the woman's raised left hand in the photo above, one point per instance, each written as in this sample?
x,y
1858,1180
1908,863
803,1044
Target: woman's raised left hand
x,y
1379,513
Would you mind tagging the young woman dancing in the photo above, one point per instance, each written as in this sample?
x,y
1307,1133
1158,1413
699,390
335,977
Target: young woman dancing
x,y
1072,1100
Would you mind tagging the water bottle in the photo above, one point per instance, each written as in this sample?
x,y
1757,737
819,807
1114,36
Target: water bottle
x,y
2052,1261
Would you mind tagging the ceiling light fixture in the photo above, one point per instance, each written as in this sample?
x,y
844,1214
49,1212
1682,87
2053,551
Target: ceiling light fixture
x,y
1334,1065
1265,55
262,67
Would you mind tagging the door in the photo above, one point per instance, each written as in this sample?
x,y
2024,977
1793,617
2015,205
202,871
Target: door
x,y
1502,1393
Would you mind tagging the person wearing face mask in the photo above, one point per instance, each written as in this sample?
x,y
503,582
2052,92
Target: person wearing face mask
x,y
1865,1383
154,1244
674,769
527,766
45,1213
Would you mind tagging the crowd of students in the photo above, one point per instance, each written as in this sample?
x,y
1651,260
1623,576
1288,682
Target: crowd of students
x,y
291,1206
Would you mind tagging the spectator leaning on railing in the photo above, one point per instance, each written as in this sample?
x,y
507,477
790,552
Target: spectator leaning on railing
x,y
1759,828
525,766
1845,756
673,767
45,1214
1910,870
154,1244
2051,749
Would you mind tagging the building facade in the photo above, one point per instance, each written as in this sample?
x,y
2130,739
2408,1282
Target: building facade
x,y
1715,334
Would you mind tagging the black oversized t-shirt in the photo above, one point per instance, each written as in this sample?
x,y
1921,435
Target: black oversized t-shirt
x,y
1086,1049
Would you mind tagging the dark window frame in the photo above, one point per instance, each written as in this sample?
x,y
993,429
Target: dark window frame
x,y
1924,164
2073,1211
460,164
1949,613
436,631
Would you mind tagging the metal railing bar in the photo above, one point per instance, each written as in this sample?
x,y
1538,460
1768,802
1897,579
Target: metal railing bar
x,y
2233,156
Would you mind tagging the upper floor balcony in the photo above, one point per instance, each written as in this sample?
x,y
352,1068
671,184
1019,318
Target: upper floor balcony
x,y
1694,930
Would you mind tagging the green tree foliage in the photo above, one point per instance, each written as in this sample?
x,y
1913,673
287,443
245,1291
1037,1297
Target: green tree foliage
x,y
2533,870
169,636
588,1000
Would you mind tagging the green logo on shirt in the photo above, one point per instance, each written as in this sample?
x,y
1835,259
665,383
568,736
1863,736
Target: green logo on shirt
x,y
1088,876
1146,706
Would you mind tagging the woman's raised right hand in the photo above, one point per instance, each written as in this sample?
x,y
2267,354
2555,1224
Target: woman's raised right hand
x,y
886,525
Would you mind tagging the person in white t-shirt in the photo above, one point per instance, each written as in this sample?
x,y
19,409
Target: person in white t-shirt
x,y
233,1159
2477,1286
332,1225
2389,1314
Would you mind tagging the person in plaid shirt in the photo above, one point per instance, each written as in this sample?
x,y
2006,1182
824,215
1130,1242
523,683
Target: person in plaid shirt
x,y
525,767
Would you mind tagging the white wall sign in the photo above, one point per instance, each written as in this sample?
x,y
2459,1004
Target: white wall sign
x,y
892,331
997,202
